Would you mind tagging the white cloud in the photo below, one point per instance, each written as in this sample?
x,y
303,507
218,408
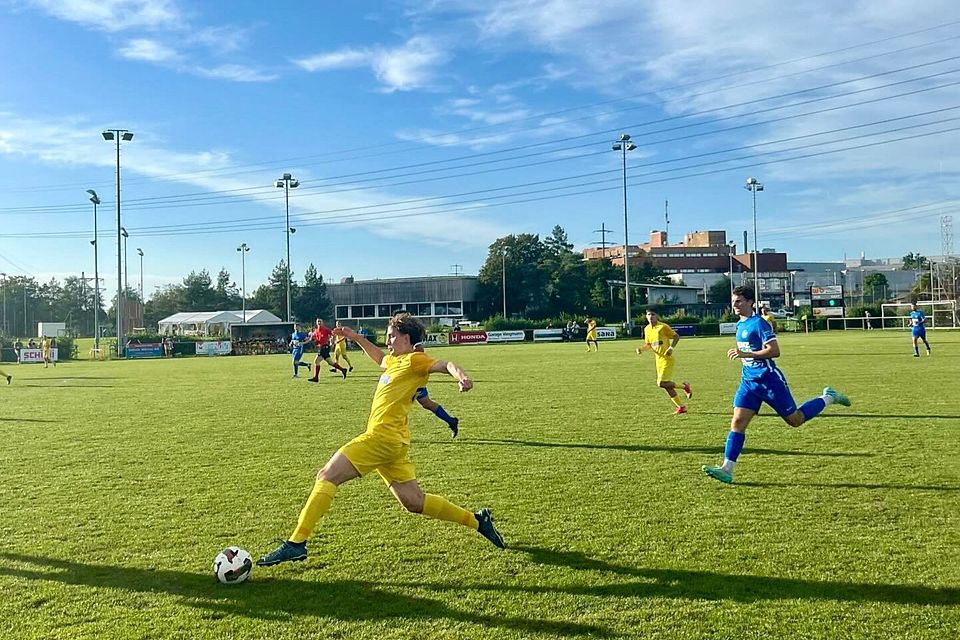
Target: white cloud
x,y
410,66
147,51
233,72
115,15
343,59
76,141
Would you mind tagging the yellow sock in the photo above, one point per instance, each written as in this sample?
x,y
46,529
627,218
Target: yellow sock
x,y
676,400
440,508
317,505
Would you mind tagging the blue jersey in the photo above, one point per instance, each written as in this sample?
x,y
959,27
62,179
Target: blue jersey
x,y
917,319
752,334
296,340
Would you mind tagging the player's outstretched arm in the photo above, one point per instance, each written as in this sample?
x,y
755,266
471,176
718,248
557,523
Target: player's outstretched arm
x,y
372,350
465,382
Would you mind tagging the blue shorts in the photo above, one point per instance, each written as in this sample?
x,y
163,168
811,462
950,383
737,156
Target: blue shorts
x,y
771,388
421,393
920,332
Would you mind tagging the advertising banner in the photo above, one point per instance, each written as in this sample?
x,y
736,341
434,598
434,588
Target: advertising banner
x,y
685,329
435,339
606,333
823,312
548,335
505,336
147,350
728,328
214,348
34,356
467,337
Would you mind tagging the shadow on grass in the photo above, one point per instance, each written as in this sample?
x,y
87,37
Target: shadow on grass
x,y
651,448
848,485
912,416
708,585
53,384
26,420
278,598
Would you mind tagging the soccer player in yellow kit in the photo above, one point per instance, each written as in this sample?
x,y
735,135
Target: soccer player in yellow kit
x,y
340,350
660,338
592,335
385,445
766,315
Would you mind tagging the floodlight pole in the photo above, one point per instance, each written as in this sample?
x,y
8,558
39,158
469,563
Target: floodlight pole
x,y
287,182
623,145
95,199
243,249
126,136
753,185
503,275
140,253
730,249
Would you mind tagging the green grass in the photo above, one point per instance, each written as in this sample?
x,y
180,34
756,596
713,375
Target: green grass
x,y
120,481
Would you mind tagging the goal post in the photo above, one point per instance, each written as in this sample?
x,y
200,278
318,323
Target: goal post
x,y
941,314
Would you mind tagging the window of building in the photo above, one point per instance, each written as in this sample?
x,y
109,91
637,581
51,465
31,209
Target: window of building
x,y
363,311
448,308
343,311
423,309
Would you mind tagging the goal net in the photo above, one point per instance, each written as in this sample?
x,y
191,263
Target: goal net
x,y
941,314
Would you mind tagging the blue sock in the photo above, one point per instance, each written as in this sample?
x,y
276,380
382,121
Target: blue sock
x,y
812,408
734,445
443,415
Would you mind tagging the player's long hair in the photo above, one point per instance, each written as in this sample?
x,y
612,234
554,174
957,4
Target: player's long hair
x,y
410,326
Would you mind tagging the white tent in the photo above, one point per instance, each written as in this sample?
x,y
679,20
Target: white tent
x,y
207,323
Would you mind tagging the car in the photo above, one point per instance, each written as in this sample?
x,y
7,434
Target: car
x,y
781,313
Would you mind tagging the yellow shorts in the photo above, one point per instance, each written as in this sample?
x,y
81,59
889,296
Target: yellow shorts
x,y
368,452
591,336
340,350
664,370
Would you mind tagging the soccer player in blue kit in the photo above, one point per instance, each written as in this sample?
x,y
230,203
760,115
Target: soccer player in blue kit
x,y
918,322
762,382
297,339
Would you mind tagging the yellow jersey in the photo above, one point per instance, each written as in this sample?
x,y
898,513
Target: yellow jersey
x,y
771,321
659,338
592,328
401,378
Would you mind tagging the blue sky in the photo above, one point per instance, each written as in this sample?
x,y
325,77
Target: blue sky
x,y
421,131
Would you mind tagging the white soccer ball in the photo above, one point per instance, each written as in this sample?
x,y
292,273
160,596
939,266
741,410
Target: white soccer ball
x,y
232,565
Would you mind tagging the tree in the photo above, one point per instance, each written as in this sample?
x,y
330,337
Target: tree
x,y
311,300
526,277
272,296
226,293
198,292
719,291
874,282
913,261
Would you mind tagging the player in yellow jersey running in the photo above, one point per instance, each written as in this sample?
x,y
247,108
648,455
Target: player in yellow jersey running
x,y
385,445
340,349
660,338
766,315
592,335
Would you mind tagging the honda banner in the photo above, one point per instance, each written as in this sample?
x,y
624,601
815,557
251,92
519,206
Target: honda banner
x,y
467,337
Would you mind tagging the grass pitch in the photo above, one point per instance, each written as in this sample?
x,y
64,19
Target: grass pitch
x,y
120,481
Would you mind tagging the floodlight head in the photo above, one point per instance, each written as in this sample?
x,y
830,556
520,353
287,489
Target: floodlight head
x,y
287,176
294,184
93,242
127,136
759,187
631,146
624,137
139,252
293,230
616,146
107,135
751,181
94,198
124,233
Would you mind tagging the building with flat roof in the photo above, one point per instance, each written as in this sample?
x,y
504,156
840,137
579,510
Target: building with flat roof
x,y
431,298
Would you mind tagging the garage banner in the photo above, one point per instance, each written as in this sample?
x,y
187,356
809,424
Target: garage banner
x,y
505,336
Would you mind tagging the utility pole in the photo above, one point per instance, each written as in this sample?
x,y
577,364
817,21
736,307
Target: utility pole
x,y
603,231
457,269
666,220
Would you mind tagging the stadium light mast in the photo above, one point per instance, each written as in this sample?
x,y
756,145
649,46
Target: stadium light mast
x,y
623,145
731,247
126,136
287,182
243,249
140,253
753,185
95,199
503,275
4,276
